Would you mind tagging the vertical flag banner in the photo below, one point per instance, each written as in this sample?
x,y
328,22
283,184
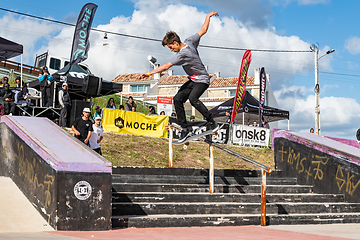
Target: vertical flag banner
x,y
262,96
81,43
241,86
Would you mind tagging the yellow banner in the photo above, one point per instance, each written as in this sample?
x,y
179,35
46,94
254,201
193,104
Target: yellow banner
x,y
119,121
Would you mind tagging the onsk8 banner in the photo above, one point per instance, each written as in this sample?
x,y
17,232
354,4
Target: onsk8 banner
x,y
119,121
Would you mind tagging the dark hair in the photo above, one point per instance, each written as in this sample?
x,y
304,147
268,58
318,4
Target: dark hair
x,y
131,97
170,38
110,100
97,107
121,106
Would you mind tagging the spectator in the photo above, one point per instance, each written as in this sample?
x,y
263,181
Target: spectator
x,y
228,115
82,127
45,87
311,130
65,103
254,124
3,81
111,104
19,84
8,95
96,135
133,109
192,118
130,104
122,107
21,99
97,112
162,113
152,111
56,121
173,115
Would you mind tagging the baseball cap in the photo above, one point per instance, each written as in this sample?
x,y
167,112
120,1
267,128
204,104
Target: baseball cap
x,y
64,84
97,117
86,110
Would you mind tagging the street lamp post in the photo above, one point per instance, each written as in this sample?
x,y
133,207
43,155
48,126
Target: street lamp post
x,y
315,49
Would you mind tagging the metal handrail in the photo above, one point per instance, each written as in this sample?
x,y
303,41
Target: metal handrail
x,y
264,168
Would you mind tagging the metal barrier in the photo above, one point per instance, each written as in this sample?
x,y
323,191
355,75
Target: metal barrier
x,y
264,169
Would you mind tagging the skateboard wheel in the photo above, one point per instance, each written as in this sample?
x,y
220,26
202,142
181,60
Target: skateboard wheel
x,y
184,146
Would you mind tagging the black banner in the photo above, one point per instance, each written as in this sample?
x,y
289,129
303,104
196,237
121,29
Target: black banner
x,y
262,97
81,43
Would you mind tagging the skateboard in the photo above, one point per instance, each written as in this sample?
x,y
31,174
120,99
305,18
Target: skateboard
x,y
194,137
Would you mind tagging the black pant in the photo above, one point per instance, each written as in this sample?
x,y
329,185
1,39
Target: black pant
x,y
9,107
192,91
98,150
63,116
46,96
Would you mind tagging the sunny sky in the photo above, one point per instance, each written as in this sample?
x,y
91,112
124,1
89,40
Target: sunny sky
x,y
290,25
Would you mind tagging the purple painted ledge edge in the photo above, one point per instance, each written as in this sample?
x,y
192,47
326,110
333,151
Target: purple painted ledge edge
x,y
102,167
322,147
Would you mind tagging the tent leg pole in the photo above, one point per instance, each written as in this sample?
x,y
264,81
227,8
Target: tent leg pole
x,y
21,73
288,124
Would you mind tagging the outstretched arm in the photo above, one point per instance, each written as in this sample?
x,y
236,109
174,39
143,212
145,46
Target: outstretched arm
x,y
160,69
205,26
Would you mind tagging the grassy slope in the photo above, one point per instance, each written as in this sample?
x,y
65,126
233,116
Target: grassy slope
x,y
131,150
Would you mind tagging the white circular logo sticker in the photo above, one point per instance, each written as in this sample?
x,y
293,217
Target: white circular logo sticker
x,y
82,190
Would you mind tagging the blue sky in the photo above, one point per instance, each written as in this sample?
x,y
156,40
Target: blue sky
x,y
256,24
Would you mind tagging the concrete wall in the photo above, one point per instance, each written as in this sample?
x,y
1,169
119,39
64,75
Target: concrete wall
x,y
71,193
330,166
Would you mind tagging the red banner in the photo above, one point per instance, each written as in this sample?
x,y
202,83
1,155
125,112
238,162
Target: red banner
x,y
241,87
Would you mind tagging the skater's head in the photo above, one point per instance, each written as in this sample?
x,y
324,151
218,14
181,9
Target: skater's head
x,y
172,40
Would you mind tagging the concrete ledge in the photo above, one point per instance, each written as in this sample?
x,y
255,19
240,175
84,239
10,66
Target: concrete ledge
x,y
330,166
67,182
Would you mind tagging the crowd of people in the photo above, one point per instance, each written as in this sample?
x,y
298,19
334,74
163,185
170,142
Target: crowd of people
x,y
12,96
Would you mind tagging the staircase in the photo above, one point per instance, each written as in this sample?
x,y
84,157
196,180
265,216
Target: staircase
x,y
177,197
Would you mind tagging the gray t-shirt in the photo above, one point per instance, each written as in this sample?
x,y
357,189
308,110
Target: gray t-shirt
x,y
188,57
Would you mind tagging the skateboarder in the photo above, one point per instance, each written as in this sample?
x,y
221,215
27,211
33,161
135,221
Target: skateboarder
x,y
188,57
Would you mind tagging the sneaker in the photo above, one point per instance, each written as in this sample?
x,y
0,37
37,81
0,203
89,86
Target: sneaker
x,y
214,126
10,114
185,133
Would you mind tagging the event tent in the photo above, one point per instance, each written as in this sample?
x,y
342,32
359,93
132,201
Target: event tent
x,y
249,111
9,49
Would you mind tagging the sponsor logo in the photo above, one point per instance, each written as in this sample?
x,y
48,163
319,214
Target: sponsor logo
x,y
194,77
82,190
119,122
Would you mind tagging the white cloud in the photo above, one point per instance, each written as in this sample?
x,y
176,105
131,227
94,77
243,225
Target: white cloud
x,y
126,55
353,45
338,116
27,32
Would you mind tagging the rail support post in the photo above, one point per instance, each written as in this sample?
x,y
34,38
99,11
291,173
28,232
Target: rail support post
x,y
170,146
211,169
263,198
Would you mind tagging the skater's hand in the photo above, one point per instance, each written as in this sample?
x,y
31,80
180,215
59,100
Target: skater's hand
x,y
213,13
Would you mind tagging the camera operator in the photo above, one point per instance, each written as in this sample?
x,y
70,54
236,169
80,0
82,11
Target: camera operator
x,y
46,81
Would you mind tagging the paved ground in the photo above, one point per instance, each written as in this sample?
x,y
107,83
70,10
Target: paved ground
x,y
16,212
25,223
296,232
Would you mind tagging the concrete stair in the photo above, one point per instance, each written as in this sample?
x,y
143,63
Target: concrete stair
x,y
164,197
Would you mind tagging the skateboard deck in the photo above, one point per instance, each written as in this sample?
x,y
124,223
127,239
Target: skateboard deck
x,y
196,136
